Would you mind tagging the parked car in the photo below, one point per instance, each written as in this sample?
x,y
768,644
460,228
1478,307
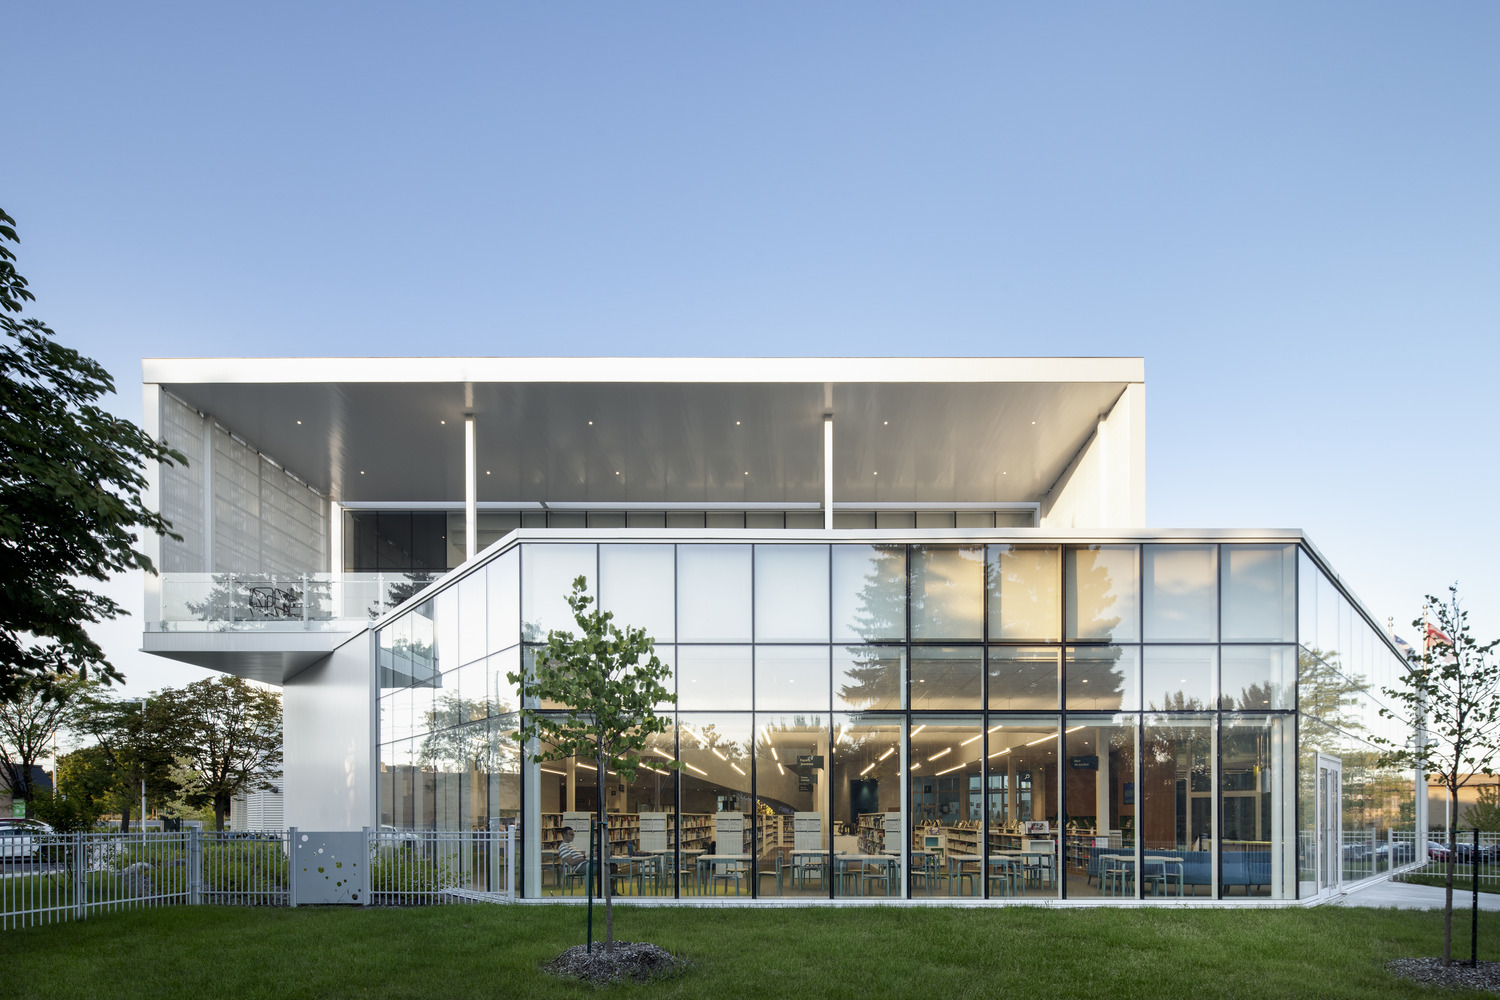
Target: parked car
x,y
1436,851
21,838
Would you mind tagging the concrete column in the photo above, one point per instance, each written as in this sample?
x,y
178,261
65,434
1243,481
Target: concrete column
x,y
828,470
471,490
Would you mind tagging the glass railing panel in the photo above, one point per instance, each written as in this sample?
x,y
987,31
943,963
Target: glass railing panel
x,y
280,602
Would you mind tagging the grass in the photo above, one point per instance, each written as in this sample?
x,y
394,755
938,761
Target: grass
x,y
1461,883
489,951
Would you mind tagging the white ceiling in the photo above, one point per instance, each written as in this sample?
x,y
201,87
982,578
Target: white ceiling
x,y
971,438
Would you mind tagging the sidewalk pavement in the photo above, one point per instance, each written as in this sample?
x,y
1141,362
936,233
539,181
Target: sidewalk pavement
x,y
1406,896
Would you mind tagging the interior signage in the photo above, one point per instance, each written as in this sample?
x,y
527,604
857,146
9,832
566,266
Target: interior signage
x,y
1084,763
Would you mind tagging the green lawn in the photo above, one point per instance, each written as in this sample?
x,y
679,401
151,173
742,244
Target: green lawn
x,y
492,951
1460,882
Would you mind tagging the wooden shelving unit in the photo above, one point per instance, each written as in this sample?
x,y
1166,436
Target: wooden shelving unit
x,y
625,831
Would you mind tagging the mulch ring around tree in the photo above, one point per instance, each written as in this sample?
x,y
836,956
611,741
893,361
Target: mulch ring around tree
x,y
1458,975
633,962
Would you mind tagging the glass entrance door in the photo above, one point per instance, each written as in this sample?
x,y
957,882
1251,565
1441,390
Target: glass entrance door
x,y
1330,822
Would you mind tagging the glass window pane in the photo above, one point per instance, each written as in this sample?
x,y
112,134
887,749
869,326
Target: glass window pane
x,y
869,678
1025,592
420,637
1179,678
1181,592
547,575
1022,755
1023,678
1258,678
791,678
867,786
944,678
1101,600
504,585
1101,678
1177,795
947,801
947,592
791,593
1258,854
472,618
1259,592
717,818
713,677
792,831
1099,792
504,698
713,593
869,592
445,628
637,583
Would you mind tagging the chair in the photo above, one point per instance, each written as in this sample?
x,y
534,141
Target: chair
x,y
1009,874
1040,858
726,872
967,873
877,871
778,868
922,868
808,866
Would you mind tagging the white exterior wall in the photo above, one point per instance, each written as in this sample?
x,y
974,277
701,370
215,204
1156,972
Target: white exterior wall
x,y
329,718
1105,484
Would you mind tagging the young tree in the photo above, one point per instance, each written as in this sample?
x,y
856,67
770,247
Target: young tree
x,y
230,732
609,681
1451,691
129,744
70,494
29,723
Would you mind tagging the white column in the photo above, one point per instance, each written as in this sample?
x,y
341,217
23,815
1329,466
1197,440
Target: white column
x,y
471,490
336,558
828,470
1103,779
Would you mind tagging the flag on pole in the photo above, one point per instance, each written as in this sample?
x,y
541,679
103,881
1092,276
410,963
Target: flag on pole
x,y
1405,647
1436,636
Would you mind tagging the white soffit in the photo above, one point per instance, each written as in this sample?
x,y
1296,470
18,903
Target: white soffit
x,y
920,430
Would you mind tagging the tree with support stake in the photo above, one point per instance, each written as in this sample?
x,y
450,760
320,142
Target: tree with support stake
x,y
1450,693
609,681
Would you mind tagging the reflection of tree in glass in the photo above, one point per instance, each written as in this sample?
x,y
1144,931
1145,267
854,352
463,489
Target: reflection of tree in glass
x,y
1105,684
245,597
944,598
1256,697
488,747
1326,693
880,613
1095,590
1176,701
399,592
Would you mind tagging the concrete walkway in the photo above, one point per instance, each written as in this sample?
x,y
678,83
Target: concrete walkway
x,y
1406,896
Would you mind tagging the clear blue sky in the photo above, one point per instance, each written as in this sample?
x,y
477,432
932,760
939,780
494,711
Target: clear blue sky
x,y
1292,211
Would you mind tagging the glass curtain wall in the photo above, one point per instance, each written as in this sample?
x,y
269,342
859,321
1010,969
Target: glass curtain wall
x,y
1081,721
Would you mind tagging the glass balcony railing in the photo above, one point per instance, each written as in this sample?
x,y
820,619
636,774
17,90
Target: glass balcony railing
x,y
280,602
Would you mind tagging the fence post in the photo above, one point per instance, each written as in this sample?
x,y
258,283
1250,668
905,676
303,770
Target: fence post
x,y
291,867
510,861
80,878
370,847
195,866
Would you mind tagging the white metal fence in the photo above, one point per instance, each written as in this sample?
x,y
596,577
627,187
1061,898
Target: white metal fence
x,y
1482,862
49,877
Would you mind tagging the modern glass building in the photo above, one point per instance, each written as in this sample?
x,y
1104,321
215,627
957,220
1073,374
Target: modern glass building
x,y
979,676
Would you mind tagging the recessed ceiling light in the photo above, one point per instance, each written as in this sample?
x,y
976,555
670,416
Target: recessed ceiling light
x,y
747,472
736,423
1033,423
885,423
299,423
617,472
486,472
874,473
361,472
591,423
443,422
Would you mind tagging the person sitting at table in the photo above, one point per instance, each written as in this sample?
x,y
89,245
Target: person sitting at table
x,y
568,854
